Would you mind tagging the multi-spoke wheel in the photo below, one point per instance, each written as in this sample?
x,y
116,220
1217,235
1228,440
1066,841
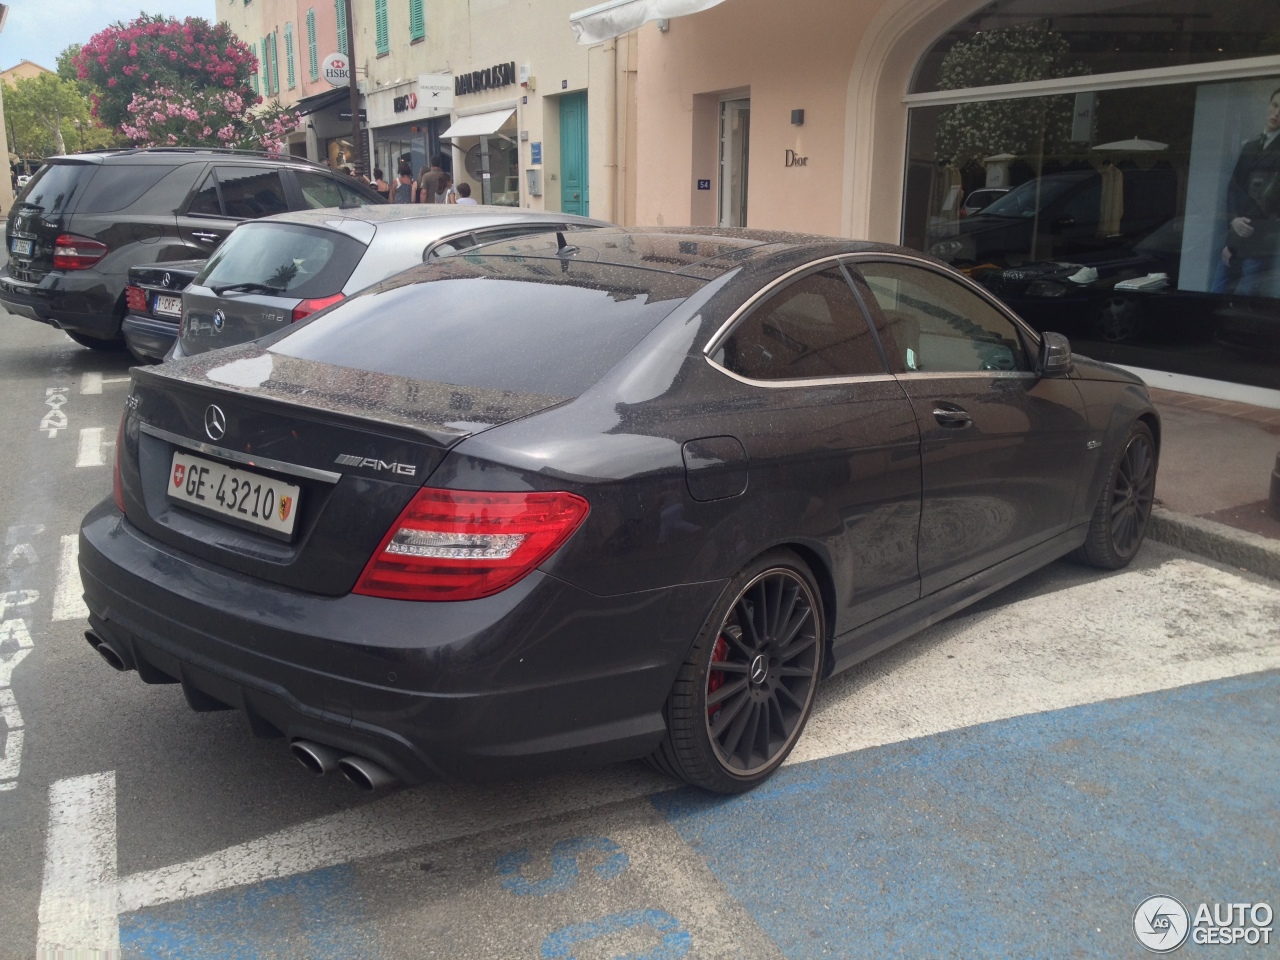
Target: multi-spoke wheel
x,y
1120,517
743,696
1119,319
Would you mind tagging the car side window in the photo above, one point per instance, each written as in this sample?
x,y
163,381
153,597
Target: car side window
x,y
450,246
251,192
932,324
321,191
813,328
206,199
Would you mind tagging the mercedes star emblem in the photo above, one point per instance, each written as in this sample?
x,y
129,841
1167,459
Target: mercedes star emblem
x,y
167,280
215,422
759,669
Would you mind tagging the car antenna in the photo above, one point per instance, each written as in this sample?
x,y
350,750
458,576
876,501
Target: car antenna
x,y
564,249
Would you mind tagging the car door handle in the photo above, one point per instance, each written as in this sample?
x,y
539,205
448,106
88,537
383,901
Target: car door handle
x,y
202,235
952,418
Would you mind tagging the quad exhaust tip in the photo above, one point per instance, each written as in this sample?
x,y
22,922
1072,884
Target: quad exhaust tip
x,y
365,774
107,650
319,759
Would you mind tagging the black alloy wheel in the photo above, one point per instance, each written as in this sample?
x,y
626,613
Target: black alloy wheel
x,y
743,696
1120,518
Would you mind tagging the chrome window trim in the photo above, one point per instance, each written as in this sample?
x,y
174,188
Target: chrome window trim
x,y
813,382
970,375
266,463
952,274
714,343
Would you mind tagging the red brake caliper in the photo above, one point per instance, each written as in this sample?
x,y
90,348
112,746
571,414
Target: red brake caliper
x,y
715,678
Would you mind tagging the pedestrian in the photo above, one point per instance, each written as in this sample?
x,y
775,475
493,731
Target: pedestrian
x,y
464,195
381,186
446,194
429,182
1253,212
404,189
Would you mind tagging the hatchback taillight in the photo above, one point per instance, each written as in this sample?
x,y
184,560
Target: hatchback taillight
x,y
136,299
465,544
76,253
307,307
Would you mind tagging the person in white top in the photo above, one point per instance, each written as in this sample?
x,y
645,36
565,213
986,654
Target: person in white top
x,y
464,195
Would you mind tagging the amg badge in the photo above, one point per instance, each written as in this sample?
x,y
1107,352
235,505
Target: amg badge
x,y
349,460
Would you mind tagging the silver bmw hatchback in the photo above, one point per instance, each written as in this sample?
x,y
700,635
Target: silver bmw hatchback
x,y
277,270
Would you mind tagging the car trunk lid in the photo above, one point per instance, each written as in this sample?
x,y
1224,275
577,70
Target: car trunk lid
x,y
40,216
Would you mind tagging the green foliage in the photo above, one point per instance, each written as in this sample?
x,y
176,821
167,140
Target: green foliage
x,y
969,132
47,115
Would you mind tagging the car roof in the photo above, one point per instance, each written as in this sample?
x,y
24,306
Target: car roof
x,y
177,154
460,216
701,252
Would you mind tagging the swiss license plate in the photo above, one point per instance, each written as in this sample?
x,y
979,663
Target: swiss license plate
x,y
21,247
167,306
251,498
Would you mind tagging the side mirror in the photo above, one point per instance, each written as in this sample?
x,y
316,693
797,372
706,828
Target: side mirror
x,y
1055,355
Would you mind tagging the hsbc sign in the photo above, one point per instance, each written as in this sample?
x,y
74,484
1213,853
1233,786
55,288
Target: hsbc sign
x,y
336,70
406,103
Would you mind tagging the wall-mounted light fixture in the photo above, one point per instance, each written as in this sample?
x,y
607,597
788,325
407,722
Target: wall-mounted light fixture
x,y
797,117
664,24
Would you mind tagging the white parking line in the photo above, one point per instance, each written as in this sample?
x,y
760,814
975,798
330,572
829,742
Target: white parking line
x,y
78,896
68,595
92,382
89,453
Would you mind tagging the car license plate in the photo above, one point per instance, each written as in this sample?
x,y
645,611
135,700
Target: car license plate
x,y
167,306
21,247
262,502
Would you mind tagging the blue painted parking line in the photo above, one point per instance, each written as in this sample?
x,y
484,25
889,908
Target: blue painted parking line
x,y
1031,837
313,915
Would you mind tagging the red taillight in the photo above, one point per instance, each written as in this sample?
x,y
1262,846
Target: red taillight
x,y
136,299
76,253
307,307
464,544
117,485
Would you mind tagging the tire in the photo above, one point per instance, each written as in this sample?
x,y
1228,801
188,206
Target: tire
x,y
95,343
1120,517
729,729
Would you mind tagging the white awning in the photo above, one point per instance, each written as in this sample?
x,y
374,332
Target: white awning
x,y
616,17
478,124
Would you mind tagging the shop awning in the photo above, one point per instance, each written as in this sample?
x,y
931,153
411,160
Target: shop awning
x,y
322,101
616,17
479,124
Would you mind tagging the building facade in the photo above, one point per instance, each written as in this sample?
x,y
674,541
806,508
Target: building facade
x,y
1125,143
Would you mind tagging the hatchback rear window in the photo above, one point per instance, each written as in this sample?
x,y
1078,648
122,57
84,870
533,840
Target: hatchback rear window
x,y
294,260
55,186
535,326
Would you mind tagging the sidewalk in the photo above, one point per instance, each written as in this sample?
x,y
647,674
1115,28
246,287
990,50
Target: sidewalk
x,y
1212,491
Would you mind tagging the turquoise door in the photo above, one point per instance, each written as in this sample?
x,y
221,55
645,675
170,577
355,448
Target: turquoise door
x,y
573,154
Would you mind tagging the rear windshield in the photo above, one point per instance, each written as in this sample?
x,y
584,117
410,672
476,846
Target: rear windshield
x,y
532,327
292,259
54,187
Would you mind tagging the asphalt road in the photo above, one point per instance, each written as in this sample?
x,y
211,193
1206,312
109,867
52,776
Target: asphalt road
x,y
1011,782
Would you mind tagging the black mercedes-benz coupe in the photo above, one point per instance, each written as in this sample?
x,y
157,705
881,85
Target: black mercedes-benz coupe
x,y
547,504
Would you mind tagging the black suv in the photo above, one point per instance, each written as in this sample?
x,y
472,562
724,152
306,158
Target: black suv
x,y
84,220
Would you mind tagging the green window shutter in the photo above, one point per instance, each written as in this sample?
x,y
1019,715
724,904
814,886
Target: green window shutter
x,y
341,9
253,81
313,57
288,53
417,22
275,63
380,24
266,68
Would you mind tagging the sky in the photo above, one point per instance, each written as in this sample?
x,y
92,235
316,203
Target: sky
x,y
39,30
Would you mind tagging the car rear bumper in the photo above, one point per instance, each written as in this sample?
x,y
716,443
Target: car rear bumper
x,y
149,336
83,302
542,676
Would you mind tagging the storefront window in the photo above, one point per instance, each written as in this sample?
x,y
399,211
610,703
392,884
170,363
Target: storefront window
x,y
1142,222
492,167
1013,41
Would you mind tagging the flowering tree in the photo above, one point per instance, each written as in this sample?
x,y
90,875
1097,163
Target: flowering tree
x,y
189,55
162,82
206,118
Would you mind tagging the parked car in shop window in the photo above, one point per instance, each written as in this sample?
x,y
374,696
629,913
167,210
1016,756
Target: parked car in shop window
x,y
84,220
278,270
978,200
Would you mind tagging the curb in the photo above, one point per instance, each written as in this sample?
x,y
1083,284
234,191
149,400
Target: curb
x,y
1217,541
